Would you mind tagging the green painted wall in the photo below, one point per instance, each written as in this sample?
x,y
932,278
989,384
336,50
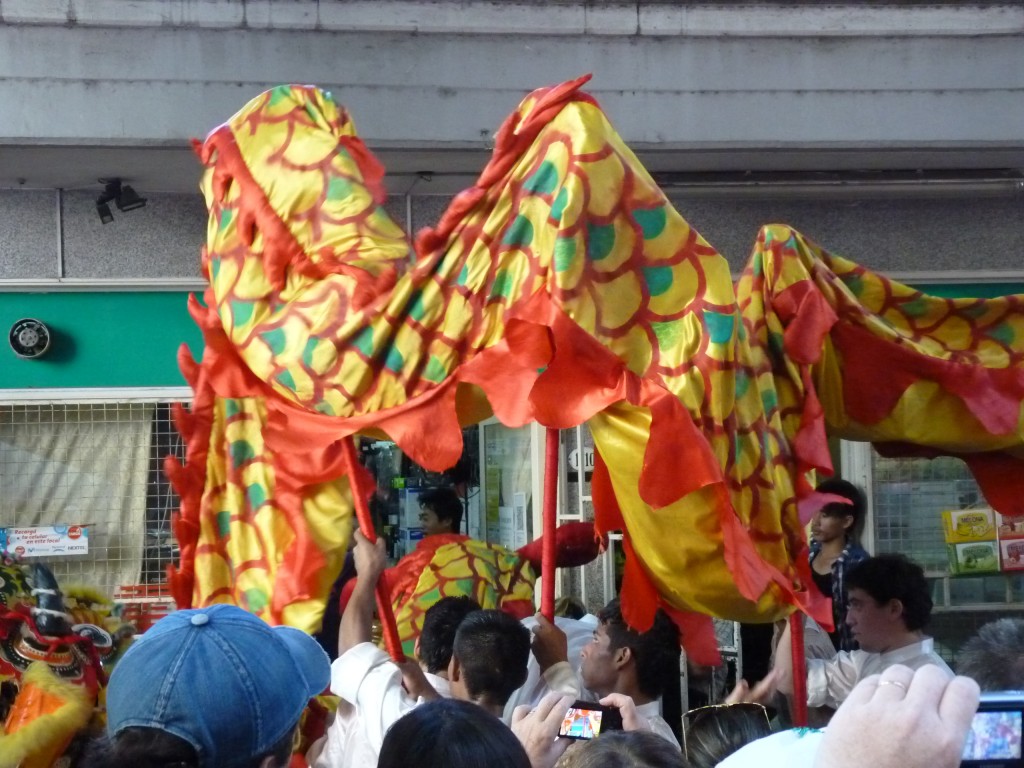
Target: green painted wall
x,y
115,339
100,339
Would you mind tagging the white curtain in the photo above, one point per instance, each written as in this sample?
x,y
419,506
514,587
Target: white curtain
x,y
80,465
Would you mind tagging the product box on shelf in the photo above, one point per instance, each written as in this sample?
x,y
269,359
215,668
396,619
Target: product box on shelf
x,y
1011,542
973,558
1011,554
962,526
1010,527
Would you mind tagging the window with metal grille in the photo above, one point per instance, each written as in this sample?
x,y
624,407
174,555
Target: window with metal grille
x,y
95,464
908,497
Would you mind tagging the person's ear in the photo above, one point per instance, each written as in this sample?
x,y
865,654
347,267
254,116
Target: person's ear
x,y
623,656
848,522
416,649
454,670
895,608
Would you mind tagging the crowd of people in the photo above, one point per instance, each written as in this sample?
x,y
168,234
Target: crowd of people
x,y
218,687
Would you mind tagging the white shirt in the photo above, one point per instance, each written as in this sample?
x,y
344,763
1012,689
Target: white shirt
x,y
830,682
439,684
817,643
651,711
561,677
370,686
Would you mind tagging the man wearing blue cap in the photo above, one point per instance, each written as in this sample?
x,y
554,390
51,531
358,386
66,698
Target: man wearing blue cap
x,y
212,688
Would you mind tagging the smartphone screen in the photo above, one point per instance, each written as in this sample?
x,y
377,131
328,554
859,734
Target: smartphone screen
x,y
582,722
995,735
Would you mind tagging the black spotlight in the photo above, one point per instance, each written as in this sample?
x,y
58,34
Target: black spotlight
x,y
124,197
129,199
104,211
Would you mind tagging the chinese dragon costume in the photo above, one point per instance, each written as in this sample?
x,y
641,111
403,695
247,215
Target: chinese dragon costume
x,y
561,288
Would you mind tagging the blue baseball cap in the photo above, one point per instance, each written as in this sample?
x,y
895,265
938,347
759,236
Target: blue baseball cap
x,y
220,678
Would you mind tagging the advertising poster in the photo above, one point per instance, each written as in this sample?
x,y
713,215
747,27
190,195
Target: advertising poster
x,y
45,541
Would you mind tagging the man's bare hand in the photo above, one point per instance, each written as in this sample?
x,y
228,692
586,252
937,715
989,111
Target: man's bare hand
x,y
415,682
370,559
537,730
631,719
901,719
762,693
550,645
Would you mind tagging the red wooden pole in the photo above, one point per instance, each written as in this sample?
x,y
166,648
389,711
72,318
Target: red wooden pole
x,y
361,500
796,633
550,549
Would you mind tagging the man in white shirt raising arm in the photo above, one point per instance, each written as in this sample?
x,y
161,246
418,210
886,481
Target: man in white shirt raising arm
x,y
889,605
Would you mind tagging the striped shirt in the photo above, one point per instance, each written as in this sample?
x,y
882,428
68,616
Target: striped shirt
x,y
852,554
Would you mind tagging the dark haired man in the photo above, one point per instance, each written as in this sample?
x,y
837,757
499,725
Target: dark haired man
x,y
440,511
451,734
889,607
638,664
488,661
437,638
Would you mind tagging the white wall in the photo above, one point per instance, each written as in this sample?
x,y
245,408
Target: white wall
x,y
445,73
909,237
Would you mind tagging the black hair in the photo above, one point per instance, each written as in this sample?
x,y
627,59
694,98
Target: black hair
x,y
440,624
570,607
449,733
446,504
625,749
857,508
995,656
713,733
142,747
655,652
492,649
894,577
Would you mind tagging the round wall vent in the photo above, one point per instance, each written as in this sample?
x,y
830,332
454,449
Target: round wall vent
x,y
29,338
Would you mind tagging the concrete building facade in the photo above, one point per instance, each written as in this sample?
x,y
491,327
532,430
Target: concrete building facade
x,y
890,132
